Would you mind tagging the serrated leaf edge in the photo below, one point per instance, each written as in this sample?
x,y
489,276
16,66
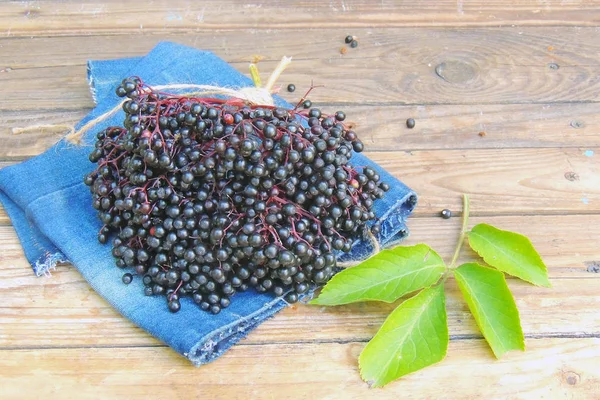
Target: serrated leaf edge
x,y
439,288
327,288
490,262
522,337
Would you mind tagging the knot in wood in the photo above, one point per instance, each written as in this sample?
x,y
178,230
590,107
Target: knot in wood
x,y
455,71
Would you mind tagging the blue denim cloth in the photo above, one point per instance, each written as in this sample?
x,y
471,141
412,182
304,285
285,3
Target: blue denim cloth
x,y
50,208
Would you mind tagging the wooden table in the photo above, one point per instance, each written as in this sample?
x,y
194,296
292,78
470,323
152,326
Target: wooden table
x,y
506,100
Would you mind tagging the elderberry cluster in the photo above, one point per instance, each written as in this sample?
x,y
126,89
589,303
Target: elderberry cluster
x,y
207,197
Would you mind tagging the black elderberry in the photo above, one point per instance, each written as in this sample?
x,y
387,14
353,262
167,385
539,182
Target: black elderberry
x,y
127,278
203,200
174,306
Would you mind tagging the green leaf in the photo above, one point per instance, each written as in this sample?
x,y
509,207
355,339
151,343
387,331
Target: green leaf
x,y
509,252
492,305
414,336
387,276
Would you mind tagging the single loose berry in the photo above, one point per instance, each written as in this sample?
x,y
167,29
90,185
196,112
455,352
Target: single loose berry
x,y
446,214
349,39
410,123
127,278
291,87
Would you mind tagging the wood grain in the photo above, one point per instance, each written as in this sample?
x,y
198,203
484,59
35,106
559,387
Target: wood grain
x,y
551,368
502,181
45,18
513,46
72,314
391,66
524,72
564,125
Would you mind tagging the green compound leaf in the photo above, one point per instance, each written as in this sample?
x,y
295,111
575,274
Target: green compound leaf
x,y
414,336
387,276
509,252
492,305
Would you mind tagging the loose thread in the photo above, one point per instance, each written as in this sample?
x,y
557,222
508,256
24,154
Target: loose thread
x,y
254,95
376,250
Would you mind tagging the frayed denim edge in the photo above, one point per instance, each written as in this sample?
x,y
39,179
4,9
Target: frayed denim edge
x,y
47,263
91,83
214,345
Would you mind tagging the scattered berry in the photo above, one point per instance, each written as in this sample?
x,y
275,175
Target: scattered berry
x,y
446,214
127,278
291,87
410,123
307,104
354,44
349,39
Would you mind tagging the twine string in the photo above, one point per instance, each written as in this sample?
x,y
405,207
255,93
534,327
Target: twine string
x,y
376,250
58,128
253,95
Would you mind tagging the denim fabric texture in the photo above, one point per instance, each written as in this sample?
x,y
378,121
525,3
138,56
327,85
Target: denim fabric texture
x,y
51,210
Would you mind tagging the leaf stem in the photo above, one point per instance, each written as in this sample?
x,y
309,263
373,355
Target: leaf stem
x,y
463,231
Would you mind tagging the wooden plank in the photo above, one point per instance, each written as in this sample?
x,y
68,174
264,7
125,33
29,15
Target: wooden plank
x,y
391,66
503,181
75,316
46,18
551,368
29,144
516,46
500,181
383,127
71,314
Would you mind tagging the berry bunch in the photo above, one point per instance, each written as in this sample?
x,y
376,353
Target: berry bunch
x,y
208,197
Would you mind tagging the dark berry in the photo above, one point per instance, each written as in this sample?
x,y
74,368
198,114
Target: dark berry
x,y
127,278
446,214
174,306
207,199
